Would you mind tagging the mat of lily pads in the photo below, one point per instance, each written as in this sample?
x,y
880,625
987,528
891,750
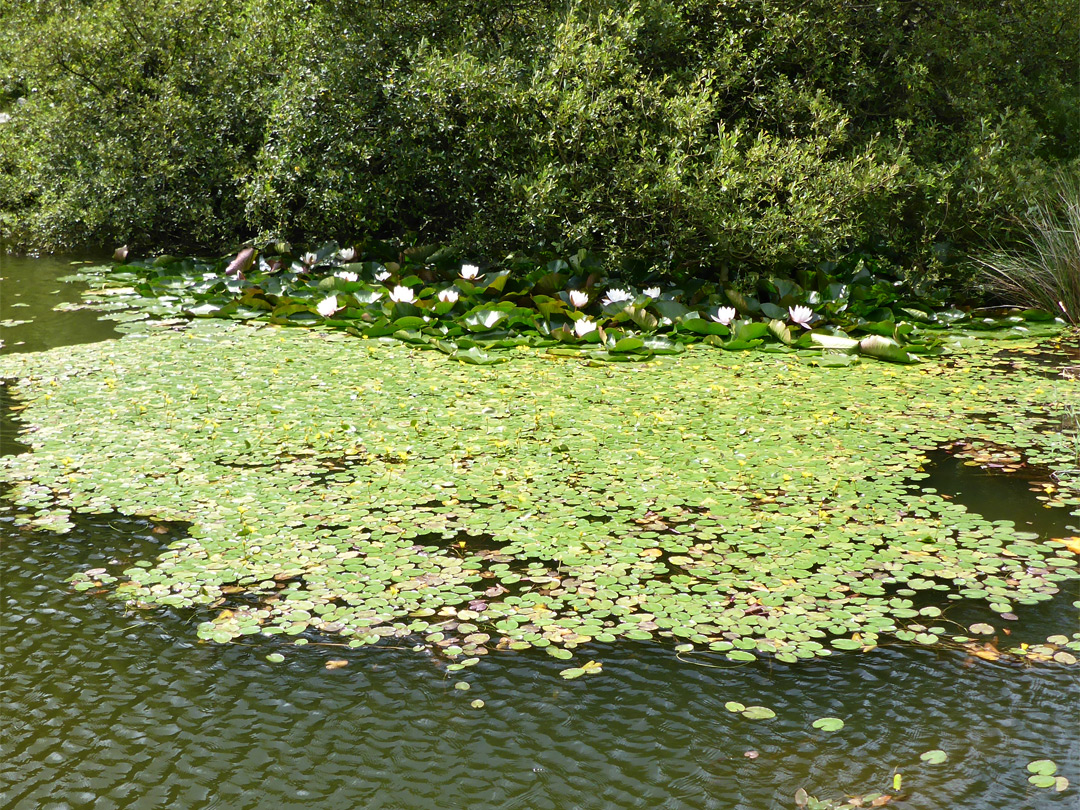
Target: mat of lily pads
x,y
743,503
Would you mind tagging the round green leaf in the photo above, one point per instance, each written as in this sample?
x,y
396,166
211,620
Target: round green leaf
x,y
829,723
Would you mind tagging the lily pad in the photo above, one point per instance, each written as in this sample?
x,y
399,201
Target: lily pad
x,y
829,723
758,713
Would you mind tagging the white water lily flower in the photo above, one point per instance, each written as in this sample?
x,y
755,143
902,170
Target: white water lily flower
x,y
469,271
616,295
578,298
382,275
801,316
652,292
328,306
348,275
310,259
402,295
584,327
347,254
724,315
449,295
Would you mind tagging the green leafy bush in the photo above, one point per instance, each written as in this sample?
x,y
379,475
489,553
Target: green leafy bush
x,y
729,137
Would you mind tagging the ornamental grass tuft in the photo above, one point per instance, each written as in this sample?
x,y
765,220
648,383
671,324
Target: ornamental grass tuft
x,y
1044,272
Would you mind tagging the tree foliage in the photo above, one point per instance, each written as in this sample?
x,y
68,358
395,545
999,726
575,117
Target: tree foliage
x,y
727,134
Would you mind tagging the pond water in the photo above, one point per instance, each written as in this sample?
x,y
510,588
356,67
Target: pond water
x,y
105,708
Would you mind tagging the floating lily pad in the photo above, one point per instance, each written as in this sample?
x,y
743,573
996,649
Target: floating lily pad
x,y
1042,767
369,489
758,713
828,723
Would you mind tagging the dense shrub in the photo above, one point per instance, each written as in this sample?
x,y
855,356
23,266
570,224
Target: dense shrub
x,y
140,120
731,135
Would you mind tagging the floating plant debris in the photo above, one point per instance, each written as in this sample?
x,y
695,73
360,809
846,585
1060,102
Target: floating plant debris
x,y
740,503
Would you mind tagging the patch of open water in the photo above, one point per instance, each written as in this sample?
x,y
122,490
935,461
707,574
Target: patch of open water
x,y
104,708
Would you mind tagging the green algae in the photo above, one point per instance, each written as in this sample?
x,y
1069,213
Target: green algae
x,y
746,504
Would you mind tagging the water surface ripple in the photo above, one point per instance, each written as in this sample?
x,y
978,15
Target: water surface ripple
x,y
108,709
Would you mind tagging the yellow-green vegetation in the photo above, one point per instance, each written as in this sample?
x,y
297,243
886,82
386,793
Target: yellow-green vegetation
x,y
746,503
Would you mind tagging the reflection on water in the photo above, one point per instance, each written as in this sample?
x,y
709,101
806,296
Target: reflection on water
x,y
29,290
108,709
103,708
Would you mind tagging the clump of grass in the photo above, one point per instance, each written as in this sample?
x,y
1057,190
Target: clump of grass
x,y
1044,272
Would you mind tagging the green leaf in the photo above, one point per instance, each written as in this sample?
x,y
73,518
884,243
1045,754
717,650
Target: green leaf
x,y
780,331
483,320
773,312
1044,767
672,310
750,330
836,343
476,357
758,713
884,348
497,284
934,757
628,344
700,326
642,318
829,723
846,644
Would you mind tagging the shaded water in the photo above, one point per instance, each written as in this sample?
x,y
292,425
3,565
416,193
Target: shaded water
x,y
103,708
29,290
